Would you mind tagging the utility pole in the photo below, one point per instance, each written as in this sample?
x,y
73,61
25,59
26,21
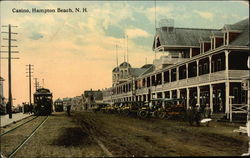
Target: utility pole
x,y
36,83
43,83
9,39
29,75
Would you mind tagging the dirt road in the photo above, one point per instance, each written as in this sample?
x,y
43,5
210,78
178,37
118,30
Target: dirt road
x,y
88,134
132,136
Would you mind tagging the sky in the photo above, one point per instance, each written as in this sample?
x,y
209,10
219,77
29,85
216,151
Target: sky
x,y
74,52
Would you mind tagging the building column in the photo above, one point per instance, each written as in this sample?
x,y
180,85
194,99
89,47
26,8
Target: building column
x,y
178,95
187,97
211,97
177,73
226,63
187,72
170,94
169,75
227,98
198,95
163,96
210,66
190,53
197,67
162,78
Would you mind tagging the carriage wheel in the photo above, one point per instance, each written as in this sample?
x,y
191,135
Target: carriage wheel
x,y
125,112
162,115
143,114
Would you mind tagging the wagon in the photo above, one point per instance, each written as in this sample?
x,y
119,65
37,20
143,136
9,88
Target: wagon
x,y
99,106
130,107
172,109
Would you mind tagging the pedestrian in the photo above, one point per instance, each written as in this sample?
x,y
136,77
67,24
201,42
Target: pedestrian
x,y
207,111
197,115
68,109
8,108
31,108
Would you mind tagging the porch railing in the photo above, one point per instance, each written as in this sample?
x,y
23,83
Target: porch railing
x,y
237,109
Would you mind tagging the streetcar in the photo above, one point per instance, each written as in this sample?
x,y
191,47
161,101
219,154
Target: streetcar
x,y
42,102
58,105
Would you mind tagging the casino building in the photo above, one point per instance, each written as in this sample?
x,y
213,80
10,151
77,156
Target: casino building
x,y
205,65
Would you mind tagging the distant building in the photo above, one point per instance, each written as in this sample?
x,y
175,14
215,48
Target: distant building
x,y
203,66
92,97
77,103
1,91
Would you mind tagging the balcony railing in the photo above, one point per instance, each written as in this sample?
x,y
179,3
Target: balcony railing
x,y
237,74
206,78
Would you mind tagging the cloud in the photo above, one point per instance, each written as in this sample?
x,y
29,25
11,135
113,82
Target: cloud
x,y
36,36
161,12
134,33
206,15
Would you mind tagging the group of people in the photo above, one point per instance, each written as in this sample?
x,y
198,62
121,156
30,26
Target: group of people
x,y
196,113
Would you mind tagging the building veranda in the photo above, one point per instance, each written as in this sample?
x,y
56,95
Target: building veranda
x,y
202,66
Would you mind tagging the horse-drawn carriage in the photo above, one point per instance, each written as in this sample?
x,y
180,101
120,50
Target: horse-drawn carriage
x,y
163,108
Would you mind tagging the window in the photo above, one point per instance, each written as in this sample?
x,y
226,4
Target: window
x,y
201,48
200,70
243,97
212,43
219,65
205,68
212,66
236,95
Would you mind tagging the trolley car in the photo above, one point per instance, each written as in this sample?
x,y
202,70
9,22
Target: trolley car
x,y
58,105
43,102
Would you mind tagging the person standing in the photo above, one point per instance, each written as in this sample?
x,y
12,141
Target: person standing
x,y
68,109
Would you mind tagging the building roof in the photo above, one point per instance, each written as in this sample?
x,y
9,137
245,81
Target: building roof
x,y
1,79
217,33
147,66
125,64
243,38
116,69
241,25
149,69
182,36
97,94
58,100
135,72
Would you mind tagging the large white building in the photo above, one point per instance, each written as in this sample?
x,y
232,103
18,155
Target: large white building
x,y
204,65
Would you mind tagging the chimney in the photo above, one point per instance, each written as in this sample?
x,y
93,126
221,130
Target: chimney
x,y
167,25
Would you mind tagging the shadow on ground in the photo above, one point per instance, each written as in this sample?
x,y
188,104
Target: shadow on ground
x,y
73,137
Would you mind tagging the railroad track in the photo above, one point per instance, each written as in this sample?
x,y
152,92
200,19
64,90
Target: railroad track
x,y
18,126
25,140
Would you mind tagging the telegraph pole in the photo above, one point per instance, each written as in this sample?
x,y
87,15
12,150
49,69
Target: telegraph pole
x,y
36,83
29,75
10,100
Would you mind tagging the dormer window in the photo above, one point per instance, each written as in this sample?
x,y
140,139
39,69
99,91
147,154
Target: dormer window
x,y
232,35
158,43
